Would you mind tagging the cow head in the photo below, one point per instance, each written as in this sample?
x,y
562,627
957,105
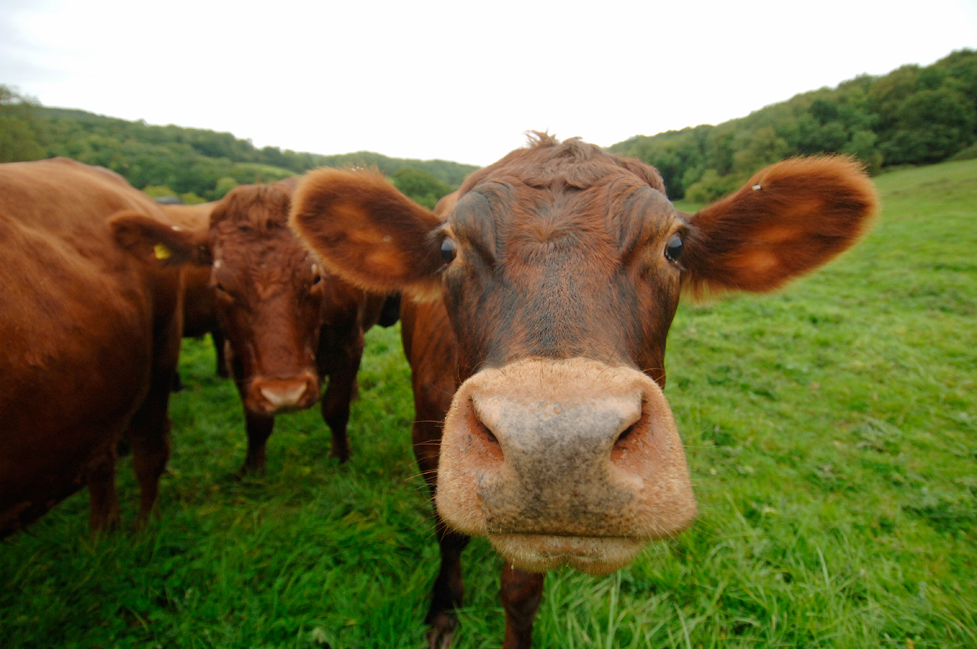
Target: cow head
x,y
561,268
269,291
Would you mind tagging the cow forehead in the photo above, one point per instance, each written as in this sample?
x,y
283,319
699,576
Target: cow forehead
x,y
618,208
571,162
555,187
250,252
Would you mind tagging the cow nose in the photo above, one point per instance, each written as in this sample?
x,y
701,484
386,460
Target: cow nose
x,y
538,452
283,395
273,396
566,454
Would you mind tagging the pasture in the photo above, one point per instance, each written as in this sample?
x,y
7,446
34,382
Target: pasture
x,y
831,430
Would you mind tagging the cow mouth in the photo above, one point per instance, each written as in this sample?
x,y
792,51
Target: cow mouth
x,y
594,555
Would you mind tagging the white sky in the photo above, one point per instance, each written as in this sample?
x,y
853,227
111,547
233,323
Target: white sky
x,y
456,80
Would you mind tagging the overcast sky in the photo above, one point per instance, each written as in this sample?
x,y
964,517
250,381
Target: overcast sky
x,y
456,80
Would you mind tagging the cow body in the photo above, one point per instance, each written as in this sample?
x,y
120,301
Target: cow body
x,y
90,337
541,298
289,323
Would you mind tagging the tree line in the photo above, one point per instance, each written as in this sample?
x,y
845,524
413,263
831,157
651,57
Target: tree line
x,y
912,116
194,164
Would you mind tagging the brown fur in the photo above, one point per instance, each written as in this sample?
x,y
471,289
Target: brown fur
x,y
368,213
90,341
289,323
199,307
806,210
559,300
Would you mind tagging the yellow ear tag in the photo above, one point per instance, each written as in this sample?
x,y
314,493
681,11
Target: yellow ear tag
x,y
162,252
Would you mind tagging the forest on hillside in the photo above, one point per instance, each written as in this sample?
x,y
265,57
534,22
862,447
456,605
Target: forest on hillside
x,y
912,116
195,164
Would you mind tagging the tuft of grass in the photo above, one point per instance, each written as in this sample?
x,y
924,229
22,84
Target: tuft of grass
x,y
831,430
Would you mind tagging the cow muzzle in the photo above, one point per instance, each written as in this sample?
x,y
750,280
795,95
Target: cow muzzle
x,y
276,396
563,463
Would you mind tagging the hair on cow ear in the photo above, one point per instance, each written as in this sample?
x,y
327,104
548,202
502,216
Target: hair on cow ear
x,y
789,219
155,242
367,232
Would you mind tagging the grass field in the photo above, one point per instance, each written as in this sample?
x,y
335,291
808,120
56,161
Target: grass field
x,y
832,437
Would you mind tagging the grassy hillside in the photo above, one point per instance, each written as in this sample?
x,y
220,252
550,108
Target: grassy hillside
x,y
200,164
832,437
912,115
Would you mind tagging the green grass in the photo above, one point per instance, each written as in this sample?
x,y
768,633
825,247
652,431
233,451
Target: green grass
x,y
832,435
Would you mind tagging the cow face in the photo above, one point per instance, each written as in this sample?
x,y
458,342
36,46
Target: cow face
x,y
268,291
560,268
269,294
562,261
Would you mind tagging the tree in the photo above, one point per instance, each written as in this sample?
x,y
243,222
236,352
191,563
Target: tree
x,y
223,186
758,149
931,125
18,139
420,185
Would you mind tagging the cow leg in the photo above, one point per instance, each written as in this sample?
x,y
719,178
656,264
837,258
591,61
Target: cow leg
x,y
103,499
521,594
219,338
336,401
259,429
149,435
449,589
258,426
335,412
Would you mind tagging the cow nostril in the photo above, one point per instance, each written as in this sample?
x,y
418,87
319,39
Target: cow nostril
x,y
621,443
486,434
490,449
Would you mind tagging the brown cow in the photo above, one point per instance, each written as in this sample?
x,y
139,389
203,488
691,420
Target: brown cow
x,y
543,293
199,303
289,323
89,339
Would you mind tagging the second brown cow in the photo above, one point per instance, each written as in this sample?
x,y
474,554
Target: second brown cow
x,y
289,323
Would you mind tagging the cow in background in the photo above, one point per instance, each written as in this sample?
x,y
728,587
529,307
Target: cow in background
x,y
541,295
199,307
289,322
89,340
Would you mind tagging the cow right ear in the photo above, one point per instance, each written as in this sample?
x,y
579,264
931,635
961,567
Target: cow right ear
x,y
160,243
368,233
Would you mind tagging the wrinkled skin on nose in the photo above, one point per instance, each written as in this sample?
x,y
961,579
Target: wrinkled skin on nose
x,y
563,462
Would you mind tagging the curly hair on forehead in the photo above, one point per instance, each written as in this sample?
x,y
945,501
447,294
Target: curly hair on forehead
x,y
257,207
546,160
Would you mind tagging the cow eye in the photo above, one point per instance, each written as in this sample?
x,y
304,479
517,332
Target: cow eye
x,y
674,247
316,279
220,287
449,250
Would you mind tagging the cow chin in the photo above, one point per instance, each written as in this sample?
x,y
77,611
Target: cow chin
x,y
592,555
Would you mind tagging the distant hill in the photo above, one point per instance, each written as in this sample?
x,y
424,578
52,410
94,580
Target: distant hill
x,y
912,116
196,164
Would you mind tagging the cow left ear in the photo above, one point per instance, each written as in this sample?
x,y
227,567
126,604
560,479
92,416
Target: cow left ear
x,y
786,221
160,243
369,233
